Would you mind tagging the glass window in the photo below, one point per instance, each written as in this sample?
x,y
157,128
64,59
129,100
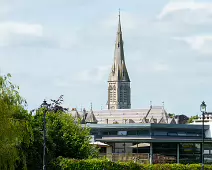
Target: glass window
x,y
159,133
192,134
172,134
181,134
143,133
113,133
164,153
132,132
105,133
122,133
190,153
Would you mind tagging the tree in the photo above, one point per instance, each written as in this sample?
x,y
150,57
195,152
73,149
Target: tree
x,y
171,115
192,118
182,119
21,133
13,131
65,137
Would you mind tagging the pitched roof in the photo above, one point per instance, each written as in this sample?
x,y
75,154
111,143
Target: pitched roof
x,y
130,121
137,115
90,118
157,112
171,121
152,120
162,121
75,114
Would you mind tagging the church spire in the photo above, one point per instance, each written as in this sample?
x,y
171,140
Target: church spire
x,y
119,69
119,81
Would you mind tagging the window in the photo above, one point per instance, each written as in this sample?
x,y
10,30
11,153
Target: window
x,y
112,133
192,134
131,132
121,87
172,133
143,132
122,132
105,133
159,133
190,153
181,134
114,87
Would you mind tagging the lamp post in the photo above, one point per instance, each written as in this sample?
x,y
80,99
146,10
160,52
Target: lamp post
x,y
203,110
44,105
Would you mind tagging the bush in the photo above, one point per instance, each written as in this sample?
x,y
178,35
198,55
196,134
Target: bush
x,y
104,164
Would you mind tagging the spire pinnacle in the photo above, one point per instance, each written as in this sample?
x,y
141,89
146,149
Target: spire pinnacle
x,y
119,24
119,70
91,106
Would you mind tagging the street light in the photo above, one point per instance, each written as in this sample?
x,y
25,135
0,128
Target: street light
x,y
45,106
203,110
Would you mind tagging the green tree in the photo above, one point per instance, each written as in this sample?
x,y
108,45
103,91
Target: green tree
x,y
171,115
192,118
21,133
13,131
65,138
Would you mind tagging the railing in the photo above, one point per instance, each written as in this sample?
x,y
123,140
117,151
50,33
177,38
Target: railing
x,y
162,159
135,157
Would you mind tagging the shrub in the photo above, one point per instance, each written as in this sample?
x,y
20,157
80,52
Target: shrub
x,y
104,164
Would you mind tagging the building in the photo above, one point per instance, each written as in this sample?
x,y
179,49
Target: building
x,y
119,95
207,121
139,135
155,143
147,134
119,92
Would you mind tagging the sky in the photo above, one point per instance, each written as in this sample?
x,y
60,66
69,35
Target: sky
x,y
66,47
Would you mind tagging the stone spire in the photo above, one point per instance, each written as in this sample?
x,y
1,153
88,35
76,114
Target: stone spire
x,y
90,118
119,81
119,69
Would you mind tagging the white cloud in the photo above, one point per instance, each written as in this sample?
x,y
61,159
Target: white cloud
x,y
187,11
201,44
10,32
86,41
176,5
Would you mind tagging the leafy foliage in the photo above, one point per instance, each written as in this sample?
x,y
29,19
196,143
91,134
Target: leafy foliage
x,y
21,133
64,137
13,131
192,118
171,115
56,105
95,164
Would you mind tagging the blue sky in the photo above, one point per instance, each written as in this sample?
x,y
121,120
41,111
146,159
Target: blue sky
x,y
66,47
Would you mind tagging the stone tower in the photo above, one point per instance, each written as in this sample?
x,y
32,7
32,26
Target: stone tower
x,y
119,81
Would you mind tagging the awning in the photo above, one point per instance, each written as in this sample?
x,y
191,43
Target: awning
x,y
98,143
140,145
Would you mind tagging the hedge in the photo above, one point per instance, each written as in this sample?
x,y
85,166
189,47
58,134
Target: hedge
x,y
103,164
